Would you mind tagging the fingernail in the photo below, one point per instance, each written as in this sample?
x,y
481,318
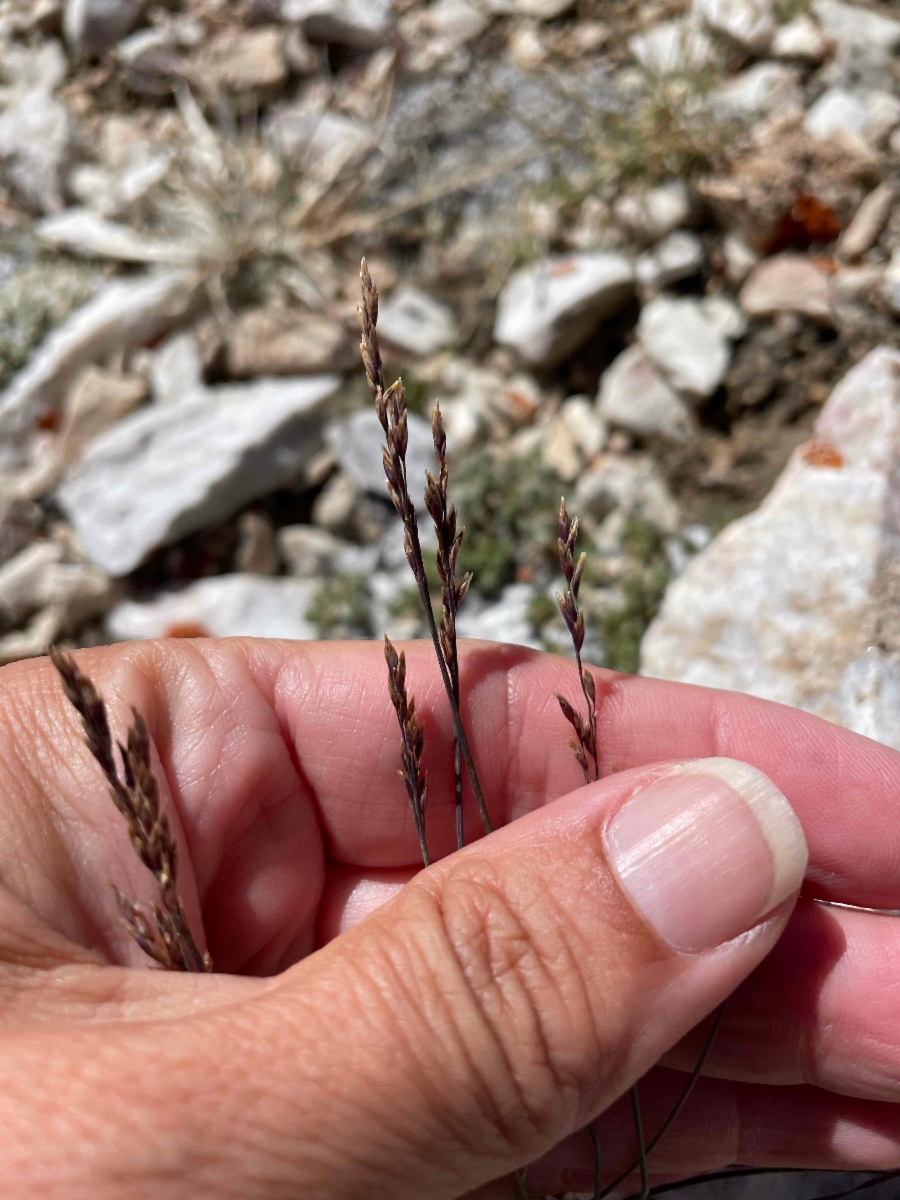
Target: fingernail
x,y
705,851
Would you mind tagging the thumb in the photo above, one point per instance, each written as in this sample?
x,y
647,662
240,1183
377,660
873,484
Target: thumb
x,y
501,1001
513,991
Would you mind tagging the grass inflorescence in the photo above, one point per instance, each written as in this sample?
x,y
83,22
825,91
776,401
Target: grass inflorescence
x,y
167,938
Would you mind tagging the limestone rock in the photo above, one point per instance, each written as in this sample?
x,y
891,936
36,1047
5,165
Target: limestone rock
x,y
766,87
632,484
504,620
35,140
800,39
176,368
357,441
92,26
852,25
414,321
358,23
224,606
634,395
781,604
257,548
654,214
548,310
787,283
748,22
169,470
837,111
687,347
868,224
240,60
672,47
284,341
679,256
309,552
123,314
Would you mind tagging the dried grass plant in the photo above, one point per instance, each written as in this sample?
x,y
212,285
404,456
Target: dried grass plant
x,y
166,937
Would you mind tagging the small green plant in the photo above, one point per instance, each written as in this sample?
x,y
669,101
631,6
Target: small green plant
x,y
503,503
341,607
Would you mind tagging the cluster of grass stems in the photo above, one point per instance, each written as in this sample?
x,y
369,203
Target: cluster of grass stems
x,y
163,931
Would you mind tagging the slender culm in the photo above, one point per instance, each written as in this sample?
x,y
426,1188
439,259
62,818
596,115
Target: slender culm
x,y
168,938
449,542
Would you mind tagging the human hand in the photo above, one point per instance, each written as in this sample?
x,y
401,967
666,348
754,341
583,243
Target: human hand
x,y
425,1041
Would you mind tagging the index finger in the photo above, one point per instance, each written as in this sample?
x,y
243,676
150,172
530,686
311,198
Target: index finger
x,y
845,788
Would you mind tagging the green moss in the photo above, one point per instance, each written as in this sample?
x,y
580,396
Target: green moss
x,y
788,10
341,607
643,540
507,507
623,628
33,301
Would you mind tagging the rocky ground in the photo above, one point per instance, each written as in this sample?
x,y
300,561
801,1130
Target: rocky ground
x,y
632,246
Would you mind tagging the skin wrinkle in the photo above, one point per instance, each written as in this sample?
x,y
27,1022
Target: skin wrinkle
x,y
496,961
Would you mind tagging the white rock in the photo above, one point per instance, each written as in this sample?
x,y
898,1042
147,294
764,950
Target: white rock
x,y
837,111
722,312
654,214
544,10
224,606
176,368
868,224
892,283
172,469
852,25
571,438
35,139
256,552
780,604
309,552
869,698
800,39
747,22
503,620
412,320
92,26
581,419
672,47
740,259
686,346
82,232
317,141
35,639
40,576
123,314
765,87
548,310
787,283
633,484
359,23
96,400
634,396
884,116
357,440
679,256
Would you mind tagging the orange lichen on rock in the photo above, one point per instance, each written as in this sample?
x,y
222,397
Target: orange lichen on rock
x,y
822,454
